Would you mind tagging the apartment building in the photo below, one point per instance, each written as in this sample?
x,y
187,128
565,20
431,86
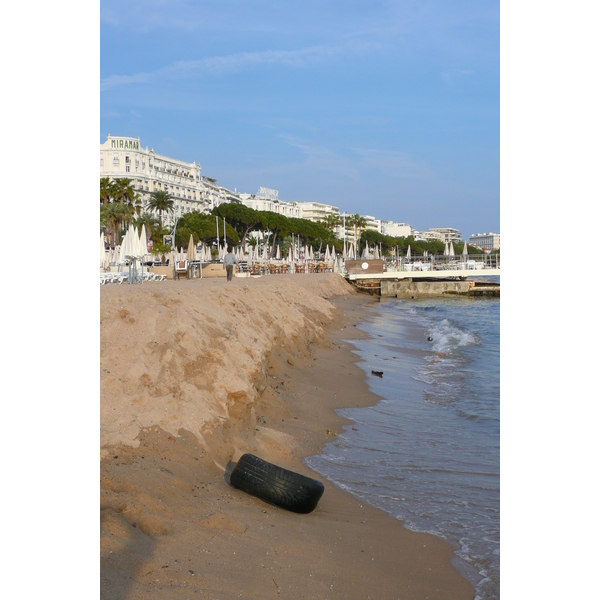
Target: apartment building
x,y
448,234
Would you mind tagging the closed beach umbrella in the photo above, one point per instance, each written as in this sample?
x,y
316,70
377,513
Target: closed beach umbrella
x,y
125,246
465,251
290,257
376,253
102,251
191,249
446,249
136,243
278,255
327,255
452,249
408,253
144,241
344,253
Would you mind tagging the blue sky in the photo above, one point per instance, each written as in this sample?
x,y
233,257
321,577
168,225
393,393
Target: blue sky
x,y
390,109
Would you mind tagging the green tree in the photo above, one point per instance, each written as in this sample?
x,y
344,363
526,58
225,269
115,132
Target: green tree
x,y
122,190
106,189
202,227
242,218
274,223
113,216
162,202
331,222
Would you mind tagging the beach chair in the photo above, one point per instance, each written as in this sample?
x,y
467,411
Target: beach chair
x,y
180,268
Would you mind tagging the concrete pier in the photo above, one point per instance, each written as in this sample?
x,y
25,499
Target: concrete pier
x,y
422,288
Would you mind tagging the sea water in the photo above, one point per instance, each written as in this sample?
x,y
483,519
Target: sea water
x,y
429,452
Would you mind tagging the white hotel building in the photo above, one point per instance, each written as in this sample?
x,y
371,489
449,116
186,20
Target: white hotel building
x,y
149,172
486,241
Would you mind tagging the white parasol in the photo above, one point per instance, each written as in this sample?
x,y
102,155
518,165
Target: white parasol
x,y
278,254
452,249
191,249
143,241
465,251
376,252
446,252
102,251
408,253
327,255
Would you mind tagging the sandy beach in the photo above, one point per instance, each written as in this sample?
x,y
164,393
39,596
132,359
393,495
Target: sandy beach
x,y
194,374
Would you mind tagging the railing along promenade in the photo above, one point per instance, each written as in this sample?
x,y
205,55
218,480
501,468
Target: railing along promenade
x,y
431,267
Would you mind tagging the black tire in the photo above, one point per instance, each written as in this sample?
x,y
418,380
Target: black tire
x,y
276,485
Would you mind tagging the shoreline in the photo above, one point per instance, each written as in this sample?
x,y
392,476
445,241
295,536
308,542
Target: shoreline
x,y
172,527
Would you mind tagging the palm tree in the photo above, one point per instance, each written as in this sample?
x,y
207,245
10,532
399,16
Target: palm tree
x,y
112,216
330,222
136,203
161,201
359,222
122,189
106,189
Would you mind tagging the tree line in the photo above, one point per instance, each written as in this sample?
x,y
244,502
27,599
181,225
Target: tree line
x,y
121,206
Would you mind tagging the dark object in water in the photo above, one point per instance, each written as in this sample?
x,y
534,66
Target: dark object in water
x,y
430,339
378,373
274,484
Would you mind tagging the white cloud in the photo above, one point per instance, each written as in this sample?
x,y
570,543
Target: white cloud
x,y
215,65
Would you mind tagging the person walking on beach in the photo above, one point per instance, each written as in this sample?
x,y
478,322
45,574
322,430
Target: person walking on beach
x,y
229,260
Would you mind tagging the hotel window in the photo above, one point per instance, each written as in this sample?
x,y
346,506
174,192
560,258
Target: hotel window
x,y
116,159
127,159
101,162
127,168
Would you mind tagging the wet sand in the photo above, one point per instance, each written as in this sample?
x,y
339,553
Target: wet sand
x,y
195,373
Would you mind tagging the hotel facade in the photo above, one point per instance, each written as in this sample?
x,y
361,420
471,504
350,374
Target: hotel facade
x,y
149,172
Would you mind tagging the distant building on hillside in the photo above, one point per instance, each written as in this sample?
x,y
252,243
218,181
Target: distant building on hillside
x,y
316,211
124,157
486,241
448,233
396,229
271,202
